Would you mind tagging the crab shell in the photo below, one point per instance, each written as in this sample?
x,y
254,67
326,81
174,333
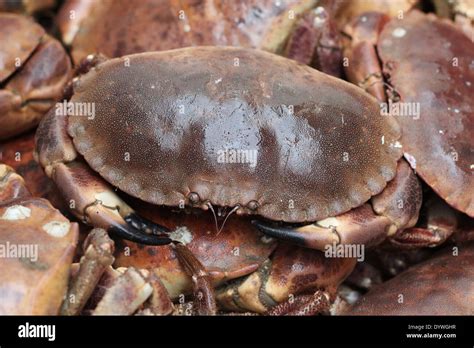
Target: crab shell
x,y
439,143
355,8
166,123
443,285
33,285
33,72
120,27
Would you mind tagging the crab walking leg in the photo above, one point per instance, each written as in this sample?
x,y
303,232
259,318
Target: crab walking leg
x,y
89,197
125,294
289,276
204,299
365,69
358,226
98,255
303,305
441,222
393,210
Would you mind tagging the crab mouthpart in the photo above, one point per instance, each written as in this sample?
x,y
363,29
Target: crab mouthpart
x,y
219,229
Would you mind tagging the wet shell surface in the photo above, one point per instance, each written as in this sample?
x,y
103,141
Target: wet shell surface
x,y
442,285
233,126
438,142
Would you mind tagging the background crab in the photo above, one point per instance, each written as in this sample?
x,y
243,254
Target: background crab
x,y
444,279
438,142
34,70
35,284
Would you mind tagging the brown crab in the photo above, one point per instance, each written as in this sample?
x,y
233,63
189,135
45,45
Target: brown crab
x,y
36,262
152,25
326,189
302,139
34,70
437,141
442,285
301,30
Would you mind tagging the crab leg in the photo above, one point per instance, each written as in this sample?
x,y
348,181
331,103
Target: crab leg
x,y
204,299
441,222
284,283
90,198
358,226
98,255
365,67
303,305
393,210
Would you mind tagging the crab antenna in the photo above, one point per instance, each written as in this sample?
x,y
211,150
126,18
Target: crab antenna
x,y
214,214
225,220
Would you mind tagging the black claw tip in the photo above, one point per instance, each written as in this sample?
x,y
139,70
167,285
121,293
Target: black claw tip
x,y
145,225
137,236
281,232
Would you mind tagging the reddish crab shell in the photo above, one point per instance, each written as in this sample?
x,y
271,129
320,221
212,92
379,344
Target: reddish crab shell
x,y
439,145
32,282
443,285
120,27
165,122
34,69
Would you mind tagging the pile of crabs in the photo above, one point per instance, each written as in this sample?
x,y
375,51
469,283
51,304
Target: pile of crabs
x,y
199,157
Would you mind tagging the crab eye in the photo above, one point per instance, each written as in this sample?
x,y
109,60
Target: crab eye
x,y
252,205
194,198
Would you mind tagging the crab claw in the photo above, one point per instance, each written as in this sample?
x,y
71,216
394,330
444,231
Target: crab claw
x,y
134,235
293,281
90,198
390,212
145,225
97,204
303,236
358,226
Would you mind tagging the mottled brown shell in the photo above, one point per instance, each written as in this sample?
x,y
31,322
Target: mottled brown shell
x,y
23,36
120,27
33,282
443,285
164,119
430,62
